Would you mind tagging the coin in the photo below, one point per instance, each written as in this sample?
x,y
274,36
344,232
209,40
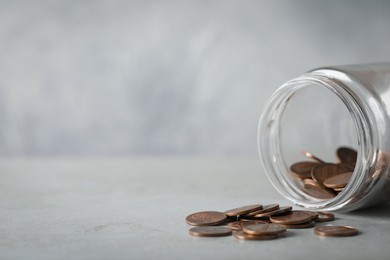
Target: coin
x,y
302,170
338,181
347,167
206,218
312,188
243,210
279,211
294,217
323,171
210,231
324,216
299,226
242,236
314,215
266,208
263,229
335,231
307,154
347,155
237,225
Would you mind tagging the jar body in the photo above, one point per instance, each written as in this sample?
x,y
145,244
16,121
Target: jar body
x,y
320,111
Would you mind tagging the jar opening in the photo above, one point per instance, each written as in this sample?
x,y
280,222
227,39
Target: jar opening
x,y
311,114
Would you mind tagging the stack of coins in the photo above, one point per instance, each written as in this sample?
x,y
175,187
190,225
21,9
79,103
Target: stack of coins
x,y
258,222
325,180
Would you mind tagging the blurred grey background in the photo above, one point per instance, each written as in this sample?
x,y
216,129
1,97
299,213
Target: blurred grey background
x,y
164,77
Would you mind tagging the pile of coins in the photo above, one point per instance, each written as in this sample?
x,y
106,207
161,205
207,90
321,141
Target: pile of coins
x,y
325,180
258,222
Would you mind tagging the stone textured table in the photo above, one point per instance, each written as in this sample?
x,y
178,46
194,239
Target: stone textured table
x,y
135,209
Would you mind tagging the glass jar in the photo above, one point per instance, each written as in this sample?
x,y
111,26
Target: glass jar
x,y
322,110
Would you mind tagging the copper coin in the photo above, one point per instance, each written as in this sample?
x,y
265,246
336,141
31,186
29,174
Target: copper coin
x,y
242,236
237,225
295,217
252,222
243,210
335,231
266,208
299,226
314,189
338,181
206,218
347,167
324,216
279,211
210,231
309,155
338,189
347,155
303,169
314,215
263,229
323,171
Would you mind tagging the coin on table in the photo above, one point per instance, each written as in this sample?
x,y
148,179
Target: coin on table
x,y
210,231
314,215
266,208
302,170
243,210
263,229
323,171
294,217
206,218
347,155
338,181
299,226
314,189
324,216
281,210
243,236
237,225
335,231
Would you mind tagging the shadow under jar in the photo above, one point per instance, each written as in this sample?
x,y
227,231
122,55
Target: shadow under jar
x,y
320,111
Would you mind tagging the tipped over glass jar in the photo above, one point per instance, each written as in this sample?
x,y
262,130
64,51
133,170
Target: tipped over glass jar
x,y
314,115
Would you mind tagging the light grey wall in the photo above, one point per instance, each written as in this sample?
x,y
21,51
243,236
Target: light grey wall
x,y
164,77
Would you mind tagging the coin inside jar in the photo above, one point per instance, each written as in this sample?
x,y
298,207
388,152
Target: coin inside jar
x,y
302,170
326,170
346,155
312,188
338,181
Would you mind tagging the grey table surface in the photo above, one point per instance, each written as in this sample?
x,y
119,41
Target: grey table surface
x,y
135,209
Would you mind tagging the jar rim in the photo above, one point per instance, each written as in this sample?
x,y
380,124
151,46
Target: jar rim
x,y
269,148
